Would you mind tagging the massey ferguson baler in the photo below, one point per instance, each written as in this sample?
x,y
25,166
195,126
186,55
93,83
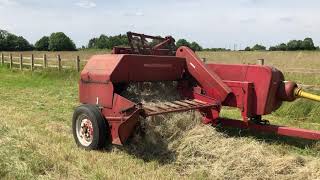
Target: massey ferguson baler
x,y
107,117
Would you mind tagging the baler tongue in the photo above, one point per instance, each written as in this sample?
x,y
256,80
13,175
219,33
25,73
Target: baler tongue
x,y
298,92
176,106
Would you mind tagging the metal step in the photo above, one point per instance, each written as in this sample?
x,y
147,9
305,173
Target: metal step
x,y
175,106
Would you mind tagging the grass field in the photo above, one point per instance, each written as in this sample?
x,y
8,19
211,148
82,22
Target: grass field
x,y
36,140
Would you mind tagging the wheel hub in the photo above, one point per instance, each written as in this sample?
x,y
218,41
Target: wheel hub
x,y
85,131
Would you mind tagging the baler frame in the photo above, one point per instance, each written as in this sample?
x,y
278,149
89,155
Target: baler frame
x,y
255,90
138,44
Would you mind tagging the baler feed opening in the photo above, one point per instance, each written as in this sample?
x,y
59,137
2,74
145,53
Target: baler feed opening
x,y
176,106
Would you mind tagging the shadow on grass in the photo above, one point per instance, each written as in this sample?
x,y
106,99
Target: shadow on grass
x,y
150,146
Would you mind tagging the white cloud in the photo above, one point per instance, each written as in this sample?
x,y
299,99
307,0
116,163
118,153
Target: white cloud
x,y
138,13
5,3
86,4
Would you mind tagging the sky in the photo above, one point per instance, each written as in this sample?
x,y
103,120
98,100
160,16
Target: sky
x,y
211,23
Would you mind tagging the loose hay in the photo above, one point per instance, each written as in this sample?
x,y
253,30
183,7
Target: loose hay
x,y
200,151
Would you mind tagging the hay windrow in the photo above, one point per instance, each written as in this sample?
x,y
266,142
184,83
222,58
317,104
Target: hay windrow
x,y
199,150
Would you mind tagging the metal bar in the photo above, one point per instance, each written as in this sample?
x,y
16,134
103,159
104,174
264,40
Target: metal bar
x,y
190,102
300,93
178,109
148,108
279,130
171,105
146,36
160,107
181,103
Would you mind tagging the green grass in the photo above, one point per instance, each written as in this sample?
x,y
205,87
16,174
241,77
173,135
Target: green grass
x,y
36,140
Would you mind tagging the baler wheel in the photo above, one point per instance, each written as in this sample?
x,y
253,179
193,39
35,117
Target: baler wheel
x,y
89,127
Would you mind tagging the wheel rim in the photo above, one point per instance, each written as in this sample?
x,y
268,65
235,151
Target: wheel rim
x,y
84,129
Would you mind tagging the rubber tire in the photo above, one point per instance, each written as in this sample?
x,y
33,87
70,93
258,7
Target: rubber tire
x,y
101,132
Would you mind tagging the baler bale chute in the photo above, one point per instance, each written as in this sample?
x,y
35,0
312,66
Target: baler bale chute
x,y
107,117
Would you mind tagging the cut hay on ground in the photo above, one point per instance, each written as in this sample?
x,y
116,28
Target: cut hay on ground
x,y
202,151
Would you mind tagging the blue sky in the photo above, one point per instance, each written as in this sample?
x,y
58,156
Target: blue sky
x,y
212,23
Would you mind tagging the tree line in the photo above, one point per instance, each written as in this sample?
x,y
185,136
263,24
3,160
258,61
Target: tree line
x,y
59,41
55,42
293,45
108,42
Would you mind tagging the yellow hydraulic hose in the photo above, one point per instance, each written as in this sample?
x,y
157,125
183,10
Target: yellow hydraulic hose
x,y
298,92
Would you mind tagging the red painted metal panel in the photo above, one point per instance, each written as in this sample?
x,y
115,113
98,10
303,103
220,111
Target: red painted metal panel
x,y
242,97
266,80
133,68
100,67
122,118
130,68
206,78
96,93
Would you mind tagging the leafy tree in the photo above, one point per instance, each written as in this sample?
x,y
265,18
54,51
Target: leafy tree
x,y
216,49
273,48
92,43
119,40
42,44
183,42
102,42
308,44
11,42
195,46
60,42
22,44
247,49
108,42
293,45
258,47
280,47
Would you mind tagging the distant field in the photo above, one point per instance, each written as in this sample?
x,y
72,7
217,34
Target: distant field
x,y
279,59
300,66
36,140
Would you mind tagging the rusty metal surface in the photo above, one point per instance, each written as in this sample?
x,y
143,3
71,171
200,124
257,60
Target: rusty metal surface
x,y
147,45
176,106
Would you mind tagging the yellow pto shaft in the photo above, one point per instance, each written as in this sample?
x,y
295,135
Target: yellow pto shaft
x,y
298,92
